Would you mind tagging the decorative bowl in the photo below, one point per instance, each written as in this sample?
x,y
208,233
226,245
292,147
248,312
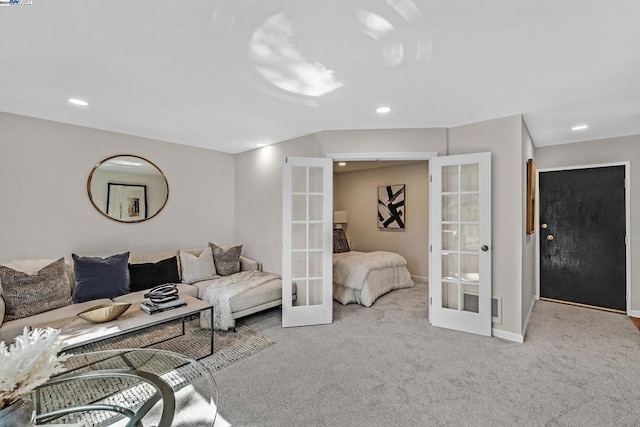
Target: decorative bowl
x,y
104,312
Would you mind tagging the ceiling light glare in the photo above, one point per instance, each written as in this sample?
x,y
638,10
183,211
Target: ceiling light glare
x,y
76,101
261,145
579,127
383,110
342,164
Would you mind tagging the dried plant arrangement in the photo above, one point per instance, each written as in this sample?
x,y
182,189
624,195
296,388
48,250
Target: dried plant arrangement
x,y
28,363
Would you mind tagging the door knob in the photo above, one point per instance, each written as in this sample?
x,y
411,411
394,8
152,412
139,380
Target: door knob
x,y
550,237
484,248
544,226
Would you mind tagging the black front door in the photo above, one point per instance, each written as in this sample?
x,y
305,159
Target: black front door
x,y
582,236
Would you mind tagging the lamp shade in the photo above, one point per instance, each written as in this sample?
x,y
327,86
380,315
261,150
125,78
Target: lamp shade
x,y
339,217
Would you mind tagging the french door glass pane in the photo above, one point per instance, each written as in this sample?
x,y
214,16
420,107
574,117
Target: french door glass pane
x,y
469,180
315,292
299,179
299,207
470,207
449,179
469,237
298,236
450,237
315,236
315,180
450,207
450,295
315,207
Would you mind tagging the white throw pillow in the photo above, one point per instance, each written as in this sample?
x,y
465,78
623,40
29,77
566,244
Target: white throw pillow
x,y
197,268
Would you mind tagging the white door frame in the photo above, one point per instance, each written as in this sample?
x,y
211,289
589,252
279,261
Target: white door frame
x,y
627,202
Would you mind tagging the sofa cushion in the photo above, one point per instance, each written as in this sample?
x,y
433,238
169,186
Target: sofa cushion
x,y
29,294
149,274
100,277
197,268
227,261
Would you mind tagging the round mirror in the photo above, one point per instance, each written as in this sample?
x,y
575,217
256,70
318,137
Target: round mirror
x,y
127,188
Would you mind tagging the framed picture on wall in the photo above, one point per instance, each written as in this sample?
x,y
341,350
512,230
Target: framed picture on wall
x,y
391,206
531,197
127,201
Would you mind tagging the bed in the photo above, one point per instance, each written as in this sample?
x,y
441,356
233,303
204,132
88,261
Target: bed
x,y
362,277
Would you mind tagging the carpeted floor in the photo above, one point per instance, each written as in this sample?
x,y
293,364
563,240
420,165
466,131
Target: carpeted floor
x,y
386,365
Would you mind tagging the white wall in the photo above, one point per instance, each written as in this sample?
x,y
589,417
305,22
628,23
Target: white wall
x,y
503,138
45,211
606,151
356,192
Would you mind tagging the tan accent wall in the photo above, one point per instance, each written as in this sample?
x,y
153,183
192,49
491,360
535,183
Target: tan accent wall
x,y
357,193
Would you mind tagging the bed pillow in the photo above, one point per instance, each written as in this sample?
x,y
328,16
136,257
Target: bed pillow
x,y
29,294
340,242
197,268
227,261
146,275
100,277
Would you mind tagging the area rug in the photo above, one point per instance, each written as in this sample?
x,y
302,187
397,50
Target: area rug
x,y
229,347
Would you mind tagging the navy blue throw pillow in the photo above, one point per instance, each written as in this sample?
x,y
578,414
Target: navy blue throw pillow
x,y
149,274
100,277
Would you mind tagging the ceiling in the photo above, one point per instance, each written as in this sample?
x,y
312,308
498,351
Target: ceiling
x,y
228,75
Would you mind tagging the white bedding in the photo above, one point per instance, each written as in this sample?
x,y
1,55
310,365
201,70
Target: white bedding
x,y
362,277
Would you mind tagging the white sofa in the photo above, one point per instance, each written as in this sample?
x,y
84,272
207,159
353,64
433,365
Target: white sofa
x,y
252,301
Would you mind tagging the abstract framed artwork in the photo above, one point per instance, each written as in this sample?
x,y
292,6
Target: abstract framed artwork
x,y
531,197
391,206
127,202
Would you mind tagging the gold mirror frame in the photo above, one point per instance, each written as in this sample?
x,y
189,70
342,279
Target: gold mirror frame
x,y
138,207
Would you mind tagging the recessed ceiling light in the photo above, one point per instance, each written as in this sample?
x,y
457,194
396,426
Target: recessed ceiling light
x,y
76,101
580,127
342,164
383,110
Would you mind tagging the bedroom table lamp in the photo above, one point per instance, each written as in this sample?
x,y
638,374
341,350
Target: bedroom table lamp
x,y
339,218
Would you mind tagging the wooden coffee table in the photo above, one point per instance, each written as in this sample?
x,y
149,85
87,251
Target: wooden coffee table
x,y
76,332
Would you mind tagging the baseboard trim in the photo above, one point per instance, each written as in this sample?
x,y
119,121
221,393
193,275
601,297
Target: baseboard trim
x,y
507,335
633,313
526,321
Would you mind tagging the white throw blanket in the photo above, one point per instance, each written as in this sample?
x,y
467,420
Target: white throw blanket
x,y
350,269
222,289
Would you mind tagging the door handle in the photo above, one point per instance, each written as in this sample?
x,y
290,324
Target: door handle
x,y
484,248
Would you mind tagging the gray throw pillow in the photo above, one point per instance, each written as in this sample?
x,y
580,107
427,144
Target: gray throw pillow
x,y
29,294
227,261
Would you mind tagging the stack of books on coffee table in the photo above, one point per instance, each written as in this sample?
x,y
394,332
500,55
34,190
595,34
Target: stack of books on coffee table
x,y
152,307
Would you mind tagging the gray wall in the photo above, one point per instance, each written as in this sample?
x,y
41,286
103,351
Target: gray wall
x,y
46,213
503,138
605,151
529,242
356,192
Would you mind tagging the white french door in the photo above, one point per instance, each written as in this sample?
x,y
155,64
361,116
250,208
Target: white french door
x,y
460,233
307,241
